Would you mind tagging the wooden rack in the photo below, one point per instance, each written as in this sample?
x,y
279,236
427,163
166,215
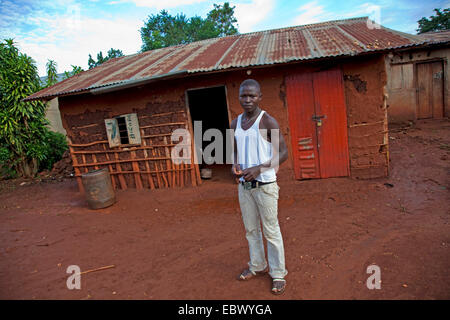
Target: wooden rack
x,y
148,165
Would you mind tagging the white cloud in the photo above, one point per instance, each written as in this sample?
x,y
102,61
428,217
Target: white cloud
x,y
250,14
158,4
373,11
69,42
312,12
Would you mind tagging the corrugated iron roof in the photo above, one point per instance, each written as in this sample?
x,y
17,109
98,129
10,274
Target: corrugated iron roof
x,y
313,41
435,36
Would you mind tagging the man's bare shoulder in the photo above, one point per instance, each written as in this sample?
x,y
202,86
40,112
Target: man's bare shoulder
x,y
268,122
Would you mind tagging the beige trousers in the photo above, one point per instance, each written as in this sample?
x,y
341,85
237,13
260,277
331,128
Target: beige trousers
x,y
260,206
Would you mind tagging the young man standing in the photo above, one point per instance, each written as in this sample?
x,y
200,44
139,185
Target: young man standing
x,y
259,150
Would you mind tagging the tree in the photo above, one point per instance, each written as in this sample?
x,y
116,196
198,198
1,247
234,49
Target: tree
x,y
223,19
75,70
26,144
52,74
112,53
164,30
440,21
22,124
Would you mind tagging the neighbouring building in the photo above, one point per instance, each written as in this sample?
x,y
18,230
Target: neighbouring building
x,y
418,86
52,113
325,83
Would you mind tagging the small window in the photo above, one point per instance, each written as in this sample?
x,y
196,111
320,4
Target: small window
x,y
123,130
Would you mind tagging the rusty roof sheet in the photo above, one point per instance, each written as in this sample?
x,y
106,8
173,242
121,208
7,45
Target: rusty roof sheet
x,y
313,41
439,36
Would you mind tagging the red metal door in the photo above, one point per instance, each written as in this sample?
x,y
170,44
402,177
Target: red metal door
x,y
331,124
300,97
318,123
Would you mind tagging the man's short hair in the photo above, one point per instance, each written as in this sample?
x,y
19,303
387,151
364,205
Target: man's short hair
x,y
251,83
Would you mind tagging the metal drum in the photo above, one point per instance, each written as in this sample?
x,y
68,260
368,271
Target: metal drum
x,y
98,188
206,173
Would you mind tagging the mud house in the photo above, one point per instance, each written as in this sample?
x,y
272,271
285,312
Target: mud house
x,y
52,113
418,86
324,83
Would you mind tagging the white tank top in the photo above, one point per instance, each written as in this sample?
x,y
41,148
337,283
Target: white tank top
x,y
253,149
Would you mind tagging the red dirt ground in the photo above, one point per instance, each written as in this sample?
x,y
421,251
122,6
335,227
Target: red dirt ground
x,y
189,243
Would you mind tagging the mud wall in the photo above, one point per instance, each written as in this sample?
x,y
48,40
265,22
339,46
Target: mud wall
x,y
159,112
364,81
364,85
402,82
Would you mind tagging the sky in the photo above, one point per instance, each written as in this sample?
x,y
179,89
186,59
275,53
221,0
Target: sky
x,y
67,31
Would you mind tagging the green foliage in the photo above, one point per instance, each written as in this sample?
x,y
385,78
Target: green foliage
x,y
24,142
438,22
112,53
164,30
52,74
222,16
6,160
5,155
75,70
51,150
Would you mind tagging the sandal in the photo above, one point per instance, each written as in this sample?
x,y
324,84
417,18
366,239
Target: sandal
x,y
247,274
278,286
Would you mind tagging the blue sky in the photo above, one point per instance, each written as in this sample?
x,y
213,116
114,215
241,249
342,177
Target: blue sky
x,y
67,31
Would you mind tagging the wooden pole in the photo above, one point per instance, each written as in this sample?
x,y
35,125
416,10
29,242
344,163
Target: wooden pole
x,y
163,172
147,166
84,164
131,148
168,162
143,171
120,161
97,269
123,183
77,170
162,125
155,163
181,174
137,176
94,159
113,180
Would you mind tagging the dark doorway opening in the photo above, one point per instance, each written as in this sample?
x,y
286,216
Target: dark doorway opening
x,y
209,105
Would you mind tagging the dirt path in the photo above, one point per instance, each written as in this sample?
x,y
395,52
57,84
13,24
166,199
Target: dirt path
x,y
189,243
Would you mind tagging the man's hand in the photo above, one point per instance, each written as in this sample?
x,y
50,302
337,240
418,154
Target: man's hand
x,y
250,174
236,170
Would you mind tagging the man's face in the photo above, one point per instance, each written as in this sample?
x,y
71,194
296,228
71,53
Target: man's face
x,y
249,97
